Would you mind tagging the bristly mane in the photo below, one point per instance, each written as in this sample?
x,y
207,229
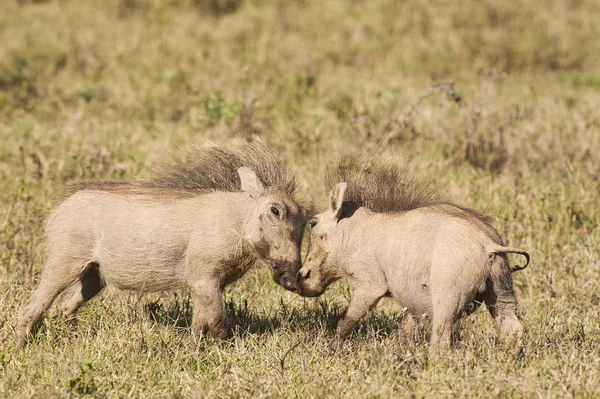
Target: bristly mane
x,y
382,186
385,186
207,168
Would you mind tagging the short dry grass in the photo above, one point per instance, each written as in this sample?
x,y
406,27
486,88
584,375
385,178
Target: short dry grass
x,y
499,100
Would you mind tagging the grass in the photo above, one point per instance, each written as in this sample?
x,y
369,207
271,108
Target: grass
x,y
499,101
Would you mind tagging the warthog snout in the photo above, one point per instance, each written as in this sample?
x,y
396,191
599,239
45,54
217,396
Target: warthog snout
x,y
310,284
303,274
289,282
284,274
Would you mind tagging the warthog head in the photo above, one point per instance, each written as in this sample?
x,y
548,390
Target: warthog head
x,y
320,269
274,229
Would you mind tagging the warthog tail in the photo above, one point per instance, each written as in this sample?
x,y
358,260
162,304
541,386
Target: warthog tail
x,y
509,250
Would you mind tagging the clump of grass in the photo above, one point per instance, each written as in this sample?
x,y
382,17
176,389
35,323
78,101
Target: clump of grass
x,y
218,7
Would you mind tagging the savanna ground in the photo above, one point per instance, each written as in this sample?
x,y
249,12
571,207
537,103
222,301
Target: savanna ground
x,y
498,100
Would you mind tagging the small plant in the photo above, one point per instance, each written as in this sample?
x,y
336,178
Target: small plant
x,y
216,109
218,7
83,384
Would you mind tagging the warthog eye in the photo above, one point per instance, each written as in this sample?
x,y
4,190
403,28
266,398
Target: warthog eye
x,y
313,223
275,211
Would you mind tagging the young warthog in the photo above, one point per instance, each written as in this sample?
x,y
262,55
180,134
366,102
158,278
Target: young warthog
x,y
390,238
200,224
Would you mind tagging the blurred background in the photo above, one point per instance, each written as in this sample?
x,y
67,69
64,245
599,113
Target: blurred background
x,y
497,99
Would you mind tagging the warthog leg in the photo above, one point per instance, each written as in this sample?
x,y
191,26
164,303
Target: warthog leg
x,y
209,310
447,308
409,326
361,303
502,305
57,274
84,288
500,300
442,328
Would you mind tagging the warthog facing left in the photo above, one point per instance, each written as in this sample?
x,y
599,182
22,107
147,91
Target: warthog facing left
x,y
390,238
200,224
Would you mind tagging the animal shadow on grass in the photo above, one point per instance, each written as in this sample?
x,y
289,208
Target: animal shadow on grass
x,y
311,318
178,314
376,326
324,315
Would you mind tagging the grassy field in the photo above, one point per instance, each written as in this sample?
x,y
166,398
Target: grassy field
x,y
498,100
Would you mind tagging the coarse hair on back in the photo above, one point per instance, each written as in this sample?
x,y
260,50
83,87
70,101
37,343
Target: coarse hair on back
x,y
386,186
207,168
382,185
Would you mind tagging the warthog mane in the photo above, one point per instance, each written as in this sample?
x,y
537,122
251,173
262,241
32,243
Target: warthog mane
x,y
381,185
207,168
386,186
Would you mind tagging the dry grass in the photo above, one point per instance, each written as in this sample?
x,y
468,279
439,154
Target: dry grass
x,y
93,89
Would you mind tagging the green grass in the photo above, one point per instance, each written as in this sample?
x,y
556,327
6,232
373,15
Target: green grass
x,y
109,89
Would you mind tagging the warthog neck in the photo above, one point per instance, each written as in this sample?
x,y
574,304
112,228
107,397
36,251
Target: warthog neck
x,y
221,218
224,209
240,211
353,236
223,234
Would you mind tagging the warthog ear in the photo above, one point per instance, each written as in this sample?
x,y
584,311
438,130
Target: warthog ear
x,y
250,182
336,199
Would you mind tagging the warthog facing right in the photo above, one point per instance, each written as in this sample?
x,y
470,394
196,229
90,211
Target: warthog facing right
x,y
387,235
199,225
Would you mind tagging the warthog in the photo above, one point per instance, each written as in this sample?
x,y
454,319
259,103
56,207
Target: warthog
x,y
200,224
387,234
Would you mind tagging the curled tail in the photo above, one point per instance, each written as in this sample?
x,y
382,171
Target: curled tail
x,y
504,250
